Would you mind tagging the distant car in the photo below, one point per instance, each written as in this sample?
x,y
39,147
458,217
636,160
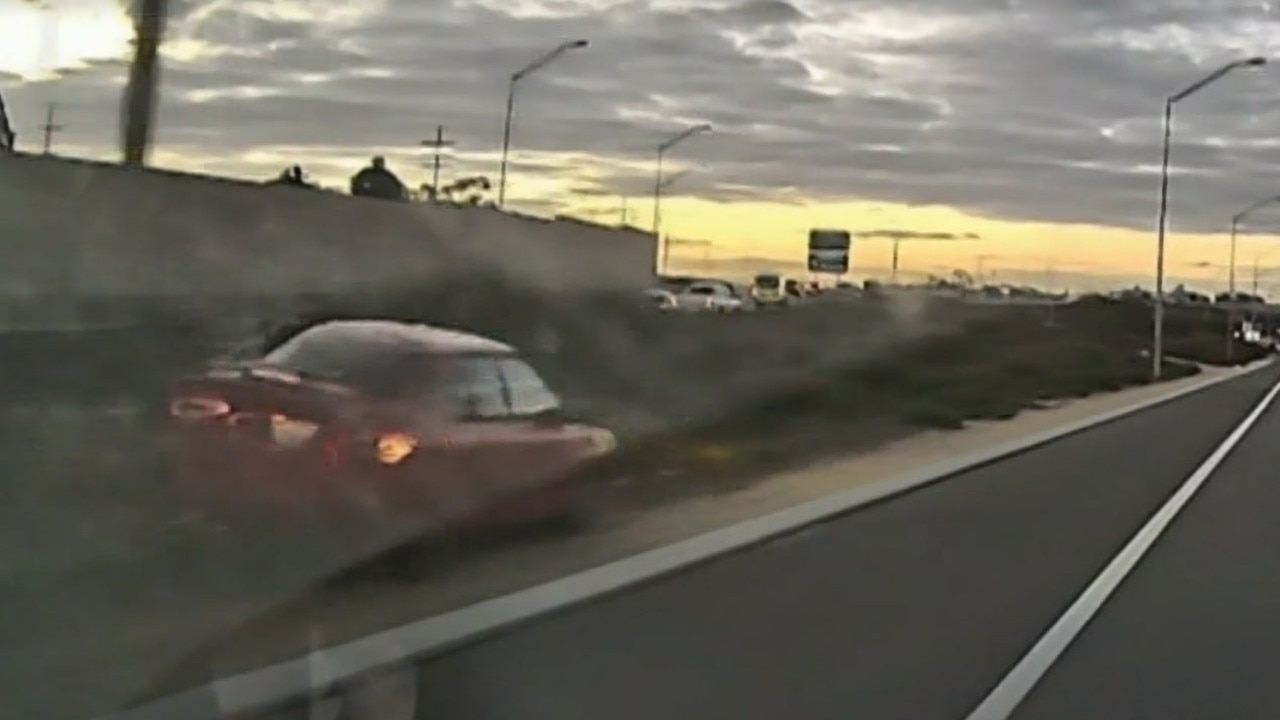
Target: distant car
x,y
767,291
708,295
368,425
661,298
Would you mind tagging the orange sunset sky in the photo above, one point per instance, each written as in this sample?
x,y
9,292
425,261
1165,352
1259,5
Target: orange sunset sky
x,y
1062,255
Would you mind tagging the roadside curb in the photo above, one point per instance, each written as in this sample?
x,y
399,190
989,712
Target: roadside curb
x,y
317,674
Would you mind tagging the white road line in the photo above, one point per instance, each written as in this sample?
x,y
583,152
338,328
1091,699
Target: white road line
x,y
1019,682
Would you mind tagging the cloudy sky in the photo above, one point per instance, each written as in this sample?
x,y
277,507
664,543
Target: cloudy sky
x,y
1034,124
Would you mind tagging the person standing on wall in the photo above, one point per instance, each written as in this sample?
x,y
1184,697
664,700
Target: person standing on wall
x,y
377,181
7,136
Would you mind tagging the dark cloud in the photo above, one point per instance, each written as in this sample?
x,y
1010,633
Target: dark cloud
x,y
1026,109
890,234
763,13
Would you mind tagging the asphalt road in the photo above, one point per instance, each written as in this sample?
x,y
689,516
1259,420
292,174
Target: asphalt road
x,y
1194,630
915,608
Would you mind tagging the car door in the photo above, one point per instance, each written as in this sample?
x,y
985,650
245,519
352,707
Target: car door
x,y
698,297
478,433
725,297
541,441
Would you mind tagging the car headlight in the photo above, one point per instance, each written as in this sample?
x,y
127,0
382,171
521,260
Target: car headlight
x,y
603,442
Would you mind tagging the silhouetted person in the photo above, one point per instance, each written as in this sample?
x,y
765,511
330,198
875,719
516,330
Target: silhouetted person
x,y
377,181
293,175
7,137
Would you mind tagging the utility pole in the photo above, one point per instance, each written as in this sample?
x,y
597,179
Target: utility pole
x,y
625,213
49,127
144,77
980,262
1049,282
437,145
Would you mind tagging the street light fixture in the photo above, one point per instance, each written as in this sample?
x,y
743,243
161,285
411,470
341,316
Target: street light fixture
x,y
516,77
657,182
1157,341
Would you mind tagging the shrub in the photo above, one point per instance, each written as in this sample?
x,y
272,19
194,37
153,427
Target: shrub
x,y
935,417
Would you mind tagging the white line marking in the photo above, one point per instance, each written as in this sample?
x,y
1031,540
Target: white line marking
x,y
1019,682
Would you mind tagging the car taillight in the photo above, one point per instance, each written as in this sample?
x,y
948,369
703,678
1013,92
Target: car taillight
x,y
193,409
393,448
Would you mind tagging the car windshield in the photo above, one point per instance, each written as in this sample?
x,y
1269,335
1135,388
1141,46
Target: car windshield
x,y
768,282
498,386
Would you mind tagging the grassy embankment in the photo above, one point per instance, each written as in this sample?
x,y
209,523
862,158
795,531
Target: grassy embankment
x,y
994,369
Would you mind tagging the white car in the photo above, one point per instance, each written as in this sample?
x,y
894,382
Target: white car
x,y
708,295
661,298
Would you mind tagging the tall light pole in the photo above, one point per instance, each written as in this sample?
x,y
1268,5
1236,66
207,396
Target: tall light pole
x,y
1231,266
1235,226
980,266
144,76
658,184
516,77
665,183
1157,339
1257,260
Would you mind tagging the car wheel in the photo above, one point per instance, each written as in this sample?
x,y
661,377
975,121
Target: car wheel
x,y
577,518
418,559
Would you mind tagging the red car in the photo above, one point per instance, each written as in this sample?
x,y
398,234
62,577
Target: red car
x,y
376,430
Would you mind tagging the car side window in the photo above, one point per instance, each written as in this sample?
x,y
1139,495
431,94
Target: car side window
x,y
527,392
478,390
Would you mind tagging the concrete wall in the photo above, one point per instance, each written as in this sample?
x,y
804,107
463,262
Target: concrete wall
x,y
81,228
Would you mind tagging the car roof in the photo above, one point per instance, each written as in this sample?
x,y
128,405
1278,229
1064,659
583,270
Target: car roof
x,y
436,340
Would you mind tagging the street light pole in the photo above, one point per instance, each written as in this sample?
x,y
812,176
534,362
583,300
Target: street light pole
x,y
662,184
658,184
657,190
1157,339
1258,257
1231,263
1231,266
1235,226
516,77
